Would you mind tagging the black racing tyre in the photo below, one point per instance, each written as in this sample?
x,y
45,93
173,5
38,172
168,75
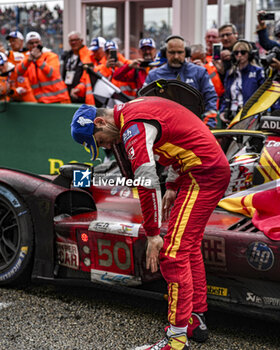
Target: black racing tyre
x,y
16,239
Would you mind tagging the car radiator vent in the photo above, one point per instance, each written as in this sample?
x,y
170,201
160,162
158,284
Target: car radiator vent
x,y
244,225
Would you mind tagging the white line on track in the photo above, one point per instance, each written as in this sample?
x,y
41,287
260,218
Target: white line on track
x,y
142,347
4,305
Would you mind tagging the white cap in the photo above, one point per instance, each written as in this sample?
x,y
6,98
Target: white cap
x,y
15,34
96,43
31,36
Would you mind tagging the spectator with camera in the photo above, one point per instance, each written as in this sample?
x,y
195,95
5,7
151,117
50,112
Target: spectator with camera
x,y
73,62
42,68
228,35
176,51
264,40
13,87
211,37
115,60
138,69
241,81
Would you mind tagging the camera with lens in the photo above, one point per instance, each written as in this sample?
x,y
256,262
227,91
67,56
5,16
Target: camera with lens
x,y
273,53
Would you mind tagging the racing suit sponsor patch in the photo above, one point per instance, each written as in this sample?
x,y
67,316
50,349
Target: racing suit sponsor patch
x,y
131,153
130,132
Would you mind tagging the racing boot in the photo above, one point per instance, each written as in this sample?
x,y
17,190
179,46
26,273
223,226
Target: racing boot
x,y
197,329
171,342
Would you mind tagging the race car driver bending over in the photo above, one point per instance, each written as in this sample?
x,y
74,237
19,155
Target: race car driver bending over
x,y
156,129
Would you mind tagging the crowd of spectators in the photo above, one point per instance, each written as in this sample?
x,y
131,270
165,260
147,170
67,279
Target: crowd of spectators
x,y
226,80
37,18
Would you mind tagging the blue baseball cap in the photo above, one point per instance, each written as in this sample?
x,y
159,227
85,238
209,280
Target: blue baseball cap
x,y
15,34
82,128
110,45
147,42
96,43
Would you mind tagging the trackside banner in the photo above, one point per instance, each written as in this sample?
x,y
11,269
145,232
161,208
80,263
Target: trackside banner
x,y
36,137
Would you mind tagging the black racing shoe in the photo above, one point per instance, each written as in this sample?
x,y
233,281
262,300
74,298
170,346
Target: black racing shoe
x,y
197,329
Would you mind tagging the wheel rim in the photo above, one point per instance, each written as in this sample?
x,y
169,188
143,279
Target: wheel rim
x,y
9,234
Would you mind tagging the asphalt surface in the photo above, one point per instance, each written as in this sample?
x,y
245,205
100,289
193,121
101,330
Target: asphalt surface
x,y
44,317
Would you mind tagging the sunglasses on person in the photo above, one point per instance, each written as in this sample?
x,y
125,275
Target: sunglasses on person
x,y
243,52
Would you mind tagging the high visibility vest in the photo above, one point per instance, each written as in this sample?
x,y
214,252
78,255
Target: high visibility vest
x,y
214,76
85,88
45,78
15,56
16,88
129,88
84,85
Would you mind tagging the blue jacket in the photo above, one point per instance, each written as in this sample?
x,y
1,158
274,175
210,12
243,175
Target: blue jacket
x,y
191,74
252,77
264,40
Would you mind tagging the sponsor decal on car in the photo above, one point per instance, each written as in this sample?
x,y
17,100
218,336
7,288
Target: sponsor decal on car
x,y
213,251
114,278
220,291
68,255
260,256
9,196
262,300
117,228
16,266
273,143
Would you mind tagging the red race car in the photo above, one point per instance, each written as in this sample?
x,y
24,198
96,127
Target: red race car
x,y
84,227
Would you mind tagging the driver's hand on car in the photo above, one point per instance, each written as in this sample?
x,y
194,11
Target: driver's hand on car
x,y
154,246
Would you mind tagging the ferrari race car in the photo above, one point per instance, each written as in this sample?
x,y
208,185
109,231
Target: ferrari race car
x,y
83,226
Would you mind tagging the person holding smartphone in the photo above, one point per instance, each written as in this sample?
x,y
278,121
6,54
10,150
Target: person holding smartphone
x,y
113,61
137,70
264,40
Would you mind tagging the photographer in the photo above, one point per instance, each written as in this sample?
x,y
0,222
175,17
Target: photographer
x,y
138,69
264,40
42,68
241,81
228,35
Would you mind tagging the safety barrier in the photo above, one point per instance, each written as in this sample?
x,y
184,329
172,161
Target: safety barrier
x,y
37,137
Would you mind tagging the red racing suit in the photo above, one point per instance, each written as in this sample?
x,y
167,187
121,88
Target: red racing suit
x,y
153,128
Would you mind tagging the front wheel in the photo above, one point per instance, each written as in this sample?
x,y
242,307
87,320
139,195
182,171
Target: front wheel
x,y
16,239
